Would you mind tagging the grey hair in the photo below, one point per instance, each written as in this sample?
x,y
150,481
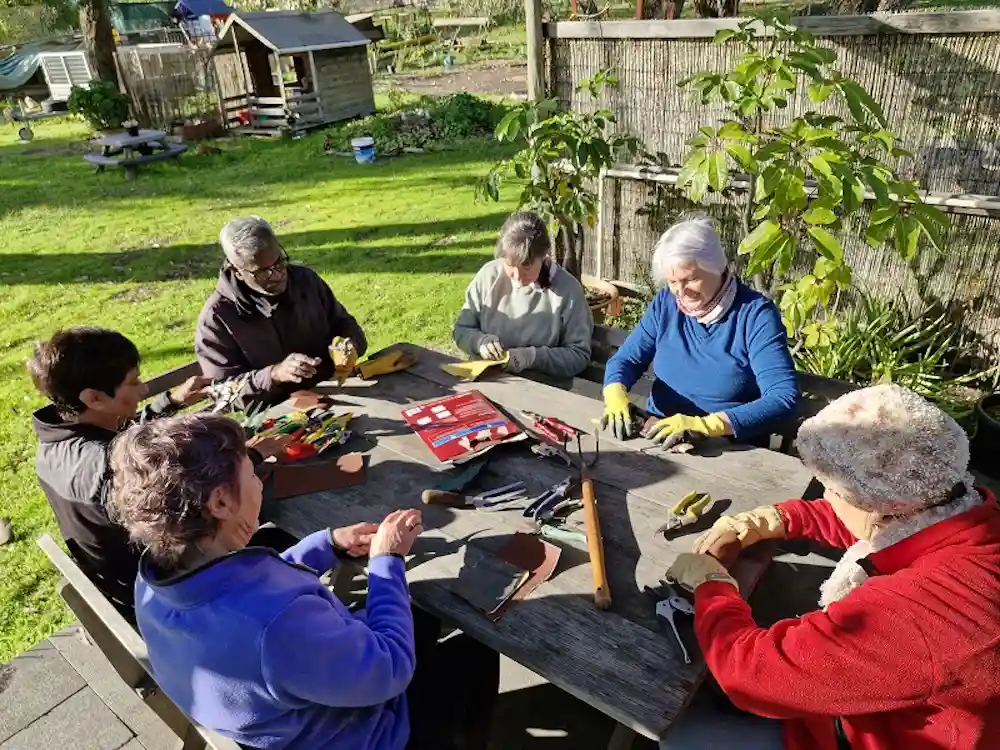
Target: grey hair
x,y
691,239
242,239
523,239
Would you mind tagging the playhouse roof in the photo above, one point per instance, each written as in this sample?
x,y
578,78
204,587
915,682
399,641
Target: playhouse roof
x,y
291,31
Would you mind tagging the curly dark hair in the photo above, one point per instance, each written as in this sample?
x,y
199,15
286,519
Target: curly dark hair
x,y
164,472
80,358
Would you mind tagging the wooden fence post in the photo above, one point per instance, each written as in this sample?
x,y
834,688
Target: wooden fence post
x,y
536,68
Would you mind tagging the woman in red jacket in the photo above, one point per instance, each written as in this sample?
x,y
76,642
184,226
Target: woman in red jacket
x,y
905,652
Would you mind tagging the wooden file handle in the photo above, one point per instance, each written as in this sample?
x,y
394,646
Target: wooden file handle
x,y
441,497
595,543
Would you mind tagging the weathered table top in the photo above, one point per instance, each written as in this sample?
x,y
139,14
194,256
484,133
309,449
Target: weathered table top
x,y
124,140
619,662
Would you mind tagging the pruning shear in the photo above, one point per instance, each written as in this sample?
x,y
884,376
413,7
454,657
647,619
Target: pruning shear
x,y
669,604
551,501
686,512
554,430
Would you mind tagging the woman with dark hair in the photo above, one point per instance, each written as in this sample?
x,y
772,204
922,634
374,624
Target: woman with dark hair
x,y
524,306
248,642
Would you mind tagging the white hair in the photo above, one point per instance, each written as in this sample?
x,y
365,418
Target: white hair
x,y
242,239
693,239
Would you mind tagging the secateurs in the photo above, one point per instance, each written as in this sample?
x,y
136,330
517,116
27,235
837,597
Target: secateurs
x,y
553,430
669,604
686,512
552,501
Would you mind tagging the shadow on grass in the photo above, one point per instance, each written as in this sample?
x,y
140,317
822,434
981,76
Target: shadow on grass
x,y
326,251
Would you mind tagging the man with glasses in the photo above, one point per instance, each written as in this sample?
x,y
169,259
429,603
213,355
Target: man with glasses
x,y
269,318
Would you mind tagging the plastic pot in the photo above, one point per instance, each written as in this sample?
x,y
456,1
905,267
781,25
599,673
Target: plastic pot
x,y
985,445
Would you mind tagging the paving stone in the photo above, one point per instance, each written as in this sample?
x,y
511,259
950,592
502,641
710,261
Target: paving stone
x,y
32,684
134,744
83,723
88,660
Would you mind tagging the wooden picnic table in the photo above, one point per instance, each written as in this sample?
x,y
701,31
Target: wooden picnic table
x,y
130,151
619,662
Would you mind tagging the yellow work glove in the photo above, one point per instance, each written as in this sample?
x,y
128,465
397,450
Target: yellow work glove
x,y
345,356
748,527
690,571
474,368
683,429
617,412
386,363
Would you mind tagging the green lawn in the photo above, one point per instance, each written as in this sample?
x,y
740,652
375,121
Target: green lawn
x,y
398,241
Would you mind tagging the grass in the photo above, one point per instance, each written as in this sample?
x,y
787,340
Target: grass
x,y
398,241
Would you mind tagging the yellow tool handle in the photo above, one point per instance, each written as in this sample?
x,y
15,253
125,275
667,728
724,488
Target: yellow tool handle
x,y
595,543
441,497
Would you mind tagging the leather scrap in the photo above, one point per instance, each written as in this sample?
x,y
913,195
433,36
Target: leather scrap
x,y
487,581
535,555
305,400
319,476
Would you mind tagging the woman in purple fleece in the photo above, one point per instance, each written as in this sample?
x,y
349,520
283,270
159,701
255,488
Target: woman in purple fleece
x,y
250,643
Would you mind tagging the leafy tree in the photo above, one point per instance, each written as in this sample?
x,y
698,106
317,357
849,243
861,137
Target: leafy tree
x,y
810,177
561,157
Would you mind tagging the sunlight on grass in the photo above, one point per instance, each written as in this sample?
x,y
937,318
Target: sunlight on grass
x,y
398,241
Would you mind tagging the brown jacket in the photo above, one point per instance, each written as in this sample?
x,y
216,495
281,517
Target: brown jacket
x,y
242,331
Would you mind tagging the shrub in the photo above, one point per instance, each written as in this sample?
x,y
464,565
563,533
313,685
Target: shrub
x,y
102,105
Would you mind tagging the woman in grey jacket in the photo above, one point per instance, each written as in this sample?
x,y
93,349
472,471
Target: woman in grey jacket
x,y
526,307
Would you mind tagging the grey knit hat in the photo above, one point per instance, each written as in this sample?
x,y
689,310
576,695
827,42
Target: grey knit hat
x,y
886,449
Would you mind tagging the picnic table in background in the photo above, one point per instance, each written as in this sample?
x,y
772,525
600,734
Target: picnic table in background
x,y
621,661
129,151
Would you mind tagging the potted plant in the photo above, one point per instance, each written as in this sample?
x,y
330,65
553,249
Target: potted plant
x,y
131,127
559,162
810,174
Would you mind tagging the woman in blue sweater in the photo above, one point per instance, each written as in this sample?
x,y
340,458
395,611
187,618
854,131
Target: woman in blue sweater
x,y
717,348
250,643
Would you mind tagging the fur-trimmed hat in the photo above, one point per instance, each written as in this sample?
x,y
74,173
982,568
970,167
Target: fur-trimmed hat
x,y
886,449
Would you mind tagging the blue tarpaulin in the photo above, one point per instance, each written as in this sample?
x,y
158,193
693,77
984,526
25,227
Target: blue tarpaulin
x,y
196,8
16,70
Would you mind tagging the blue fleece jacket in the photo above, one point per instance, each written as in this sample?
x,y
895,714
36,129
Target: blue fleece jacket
x,y
740,365
254,646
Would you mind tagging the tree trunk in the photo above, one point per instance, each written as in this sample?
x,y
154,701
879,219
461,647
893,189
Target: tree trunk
x,y
661,9
99,41
569,245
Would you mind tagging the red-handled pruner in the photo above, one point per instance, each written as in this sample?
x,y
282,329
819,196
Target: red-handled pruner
x,y
552,429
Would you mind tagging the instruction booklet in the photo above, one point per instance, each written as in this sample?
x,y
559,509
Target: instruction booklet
x,y
462,426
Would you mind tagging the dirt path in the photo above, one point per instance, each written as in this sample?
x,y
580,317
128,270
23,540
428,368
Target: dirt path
x,y
504,77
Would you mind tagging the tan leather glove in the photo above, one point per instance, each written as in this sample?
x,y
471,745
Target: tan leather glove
x,y
690,571
345,356
747,528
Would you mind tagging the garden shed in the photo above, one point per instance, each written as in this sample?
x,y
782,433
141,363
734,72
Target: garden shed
x,y
287,70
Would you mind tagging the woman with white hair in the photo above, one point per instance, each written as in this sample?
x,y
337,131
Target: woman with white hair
x,y
525,307
718,349
904,652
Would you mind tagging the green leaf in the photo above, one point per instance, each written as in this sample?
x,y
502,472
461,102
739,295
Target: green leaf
x,y
731,91
762,211
723,35
771,150
508,128
861,103
932,222
733,131
823,267
718,171
767,182
882,214
699,181
826,244
785,253
907,237
819,215
763,235
820,165
741,155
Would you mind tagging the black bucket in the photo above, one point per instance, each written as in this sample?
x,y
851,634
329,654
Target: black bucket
x,y
985,447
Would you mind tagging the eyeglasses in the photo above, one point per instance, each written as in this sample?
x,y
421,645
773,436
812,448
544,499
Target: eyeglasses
x,y
268,272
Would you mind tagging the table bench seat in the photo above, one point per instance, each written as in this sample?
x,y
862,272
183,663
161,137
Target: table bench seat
x,y
172,151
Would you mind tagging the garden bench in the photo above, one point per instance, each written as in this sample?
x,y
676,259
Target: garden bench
x,y
816,391
124,648
451,29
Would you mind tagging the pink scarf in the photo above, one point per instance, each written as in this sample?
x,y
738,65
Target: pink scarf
x,y
713,310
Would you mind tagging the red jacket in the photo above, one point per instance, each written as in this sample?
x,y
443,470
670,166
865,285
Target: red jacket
x,y
909,661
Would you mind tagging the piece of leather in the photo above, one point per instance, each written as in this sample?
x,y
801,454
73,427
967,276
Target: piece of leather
x,y
318,476
270,445
304,400
487,581
534,554
473,368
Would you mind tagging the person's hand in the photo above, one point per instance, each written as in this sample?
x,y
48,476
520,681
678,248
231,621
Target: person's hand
x,y
294,369
491,348
690,570
748,527
397,533
683,429
521,359
617,412
355,540
191,391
